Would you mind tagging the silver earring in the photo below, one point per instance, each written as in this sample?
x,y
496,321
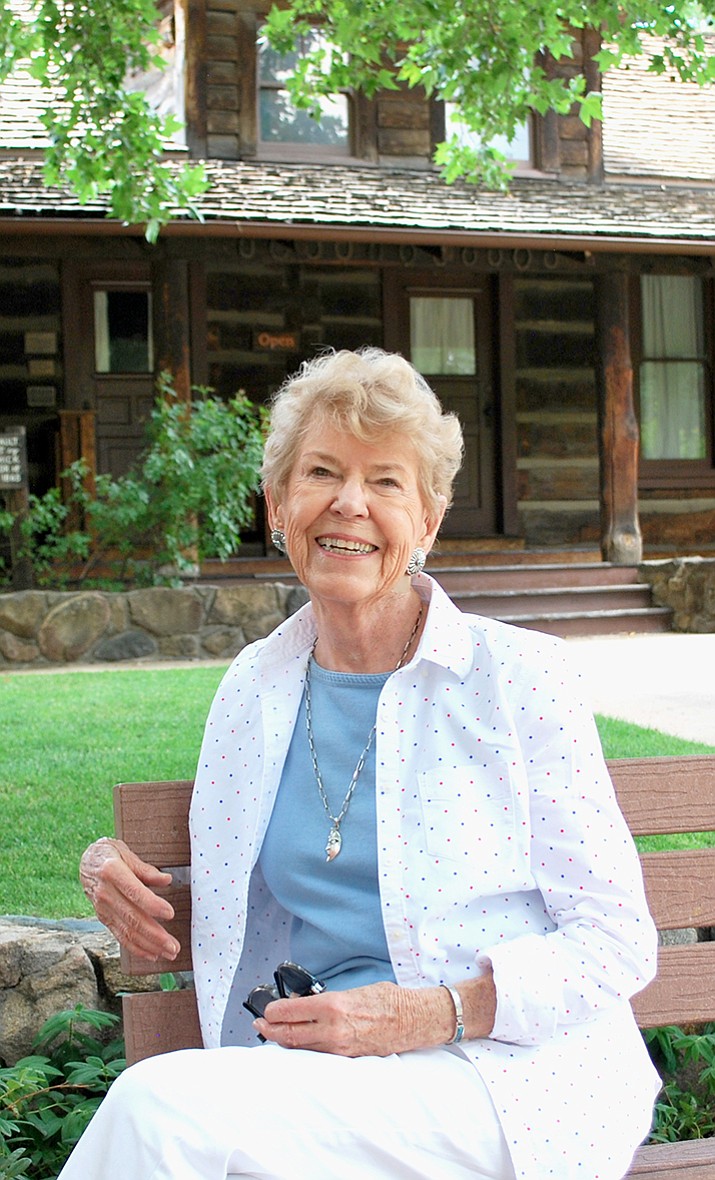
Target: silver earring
x,y
417,561
278,538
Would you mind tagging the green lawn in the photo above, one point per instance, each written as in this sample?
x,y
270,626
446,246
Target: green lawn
x,y
67,738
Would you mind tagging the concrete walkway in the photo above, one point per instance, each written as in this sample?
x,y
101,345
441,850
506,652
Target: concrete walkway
x,y
664,682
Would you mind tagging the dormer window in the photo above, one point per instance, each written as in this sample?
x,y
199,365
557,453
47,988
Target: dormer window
x,y
517,150
283,127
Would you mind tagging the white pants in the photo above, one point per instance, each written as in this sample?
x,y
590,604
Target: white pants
x,y
279,1114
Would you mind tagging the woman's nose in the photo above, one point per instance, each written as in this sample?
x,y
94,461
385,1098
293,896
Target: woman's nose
x,y
350,498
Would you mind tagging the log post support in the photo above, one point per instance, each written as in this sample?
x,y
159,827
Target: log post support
x,y
172,326
621,541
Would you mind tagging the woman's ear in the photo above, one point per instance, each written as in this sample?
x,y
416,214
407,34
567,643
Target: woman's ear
x,y
273,509
433,522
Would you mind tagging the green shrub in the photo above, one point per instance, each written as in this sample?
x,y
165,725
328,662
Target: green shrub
x,y
190,495
47,1100
686,1062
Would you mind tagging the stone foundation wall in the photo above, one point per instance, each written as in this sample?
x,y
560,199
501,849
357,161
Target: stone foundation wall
x,y
48,967
41,627
687,586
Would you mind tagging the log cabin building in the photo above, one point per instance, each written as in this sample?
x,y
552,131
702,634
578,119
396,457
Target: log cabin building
x,y
569,321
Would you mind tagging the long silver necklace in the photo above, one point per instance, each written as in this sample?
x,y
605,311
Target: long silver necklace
x,y
335,839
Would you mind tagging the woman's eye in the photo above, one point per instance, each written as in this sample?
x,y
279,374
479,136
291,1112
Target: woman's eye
x,y
320,471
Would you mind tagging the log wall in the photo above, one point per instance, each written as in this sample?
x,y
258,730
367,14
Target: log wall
x,y
556,411
31,373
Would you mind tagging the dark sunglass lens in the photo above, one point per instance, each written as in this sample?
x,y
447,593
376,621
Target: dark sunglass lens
x,y
259,999
294,980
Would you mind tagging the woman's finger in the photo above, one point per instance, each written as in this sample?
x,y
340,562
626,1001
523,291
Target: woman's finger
x,y
116,882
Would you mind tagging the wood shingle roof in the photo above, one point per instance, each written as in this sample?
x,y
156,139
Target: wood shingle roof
x,y
364,197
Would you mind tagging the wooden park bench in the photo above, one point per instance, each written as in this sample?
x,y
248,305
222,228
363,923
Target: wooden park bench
x,y
657,796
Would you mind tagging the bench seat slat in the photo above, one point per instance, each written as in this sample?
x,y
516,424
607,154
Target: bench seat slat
x,y
691,1160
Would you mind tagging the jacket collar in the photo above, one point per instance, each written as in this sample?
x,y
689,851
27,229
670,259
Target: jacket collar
x,y
448,637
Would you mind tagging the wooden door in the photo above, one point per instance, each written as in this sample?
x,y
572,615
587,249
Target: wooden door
x,y
443,325
107,312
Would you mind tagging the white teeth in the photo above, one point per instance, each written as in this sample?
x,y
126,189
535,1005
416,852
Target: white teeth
x,y
338,546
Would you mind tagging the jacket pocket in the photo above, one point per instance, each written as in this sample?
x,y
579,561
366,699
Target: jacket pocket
x,y
469,816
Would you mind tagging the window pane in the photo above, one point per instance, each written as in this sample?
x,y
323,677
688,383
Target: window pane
x,y
673,410
672,316
517,149
442,335
122,332
278,67
673,374
282,122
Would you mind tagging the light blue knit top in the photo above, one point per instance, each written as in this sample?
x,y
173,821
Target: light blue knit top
x,y
337,930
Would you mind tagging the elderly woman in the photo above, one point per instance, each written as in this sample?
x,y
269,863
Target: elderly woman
x,y
412,803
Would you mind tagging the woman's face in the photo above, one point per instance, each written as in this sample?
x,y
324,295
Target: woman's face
x,y
352,514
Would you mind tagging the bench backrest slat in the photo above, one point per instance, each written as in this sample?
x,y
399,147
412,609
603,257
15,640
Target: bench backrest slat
x,y
681,887
660,796
152,818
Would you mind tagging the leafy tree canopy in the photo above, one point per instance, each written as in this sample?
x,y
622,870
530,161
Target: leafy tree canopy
x,y
487,57
104,138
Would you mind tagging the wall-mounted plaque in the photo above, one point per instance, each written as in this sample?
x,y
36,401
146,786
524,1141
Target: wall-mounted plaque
x,y
13,458
42,396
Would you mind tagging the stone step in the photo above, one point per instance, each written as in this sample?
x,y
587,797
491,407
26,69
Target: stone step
x,y
527,588
645,621
551,600
524,577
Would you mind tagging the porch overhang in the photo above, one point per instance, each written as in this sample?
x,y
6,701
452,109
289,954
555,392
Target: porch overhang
x,y
392,235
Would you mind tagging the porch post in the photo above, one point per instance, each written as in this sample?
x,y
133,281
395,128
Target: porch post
x,y
171,323
621,541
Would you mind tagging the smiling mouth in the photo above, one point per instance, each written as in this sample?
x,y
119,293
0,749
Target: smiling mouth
x,y
337,545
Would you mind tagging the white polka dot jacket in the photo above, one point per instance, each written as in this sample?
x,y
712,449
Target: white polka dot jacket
x,y
499,842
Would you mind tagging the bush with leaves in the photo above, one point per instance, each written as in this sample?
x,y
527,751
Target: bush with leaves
x,y
189,496
686,1062
47,1100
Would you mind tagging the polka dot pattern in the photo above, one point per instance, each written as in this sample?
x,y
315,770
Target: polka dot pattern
x,y
499,842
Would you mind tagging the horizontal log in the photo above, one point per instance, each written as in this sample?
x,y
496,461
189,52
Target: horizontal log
x,y
393,142
401,113
550,440
558,482
222,122
222,98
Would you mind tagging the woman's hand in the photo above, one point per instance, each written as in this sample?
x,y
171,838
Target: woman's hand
x,y
119,885
377,1020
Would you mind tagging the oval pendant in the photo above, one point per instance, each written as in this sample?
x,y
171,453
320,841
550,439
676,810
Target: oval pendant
x,y
335,843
